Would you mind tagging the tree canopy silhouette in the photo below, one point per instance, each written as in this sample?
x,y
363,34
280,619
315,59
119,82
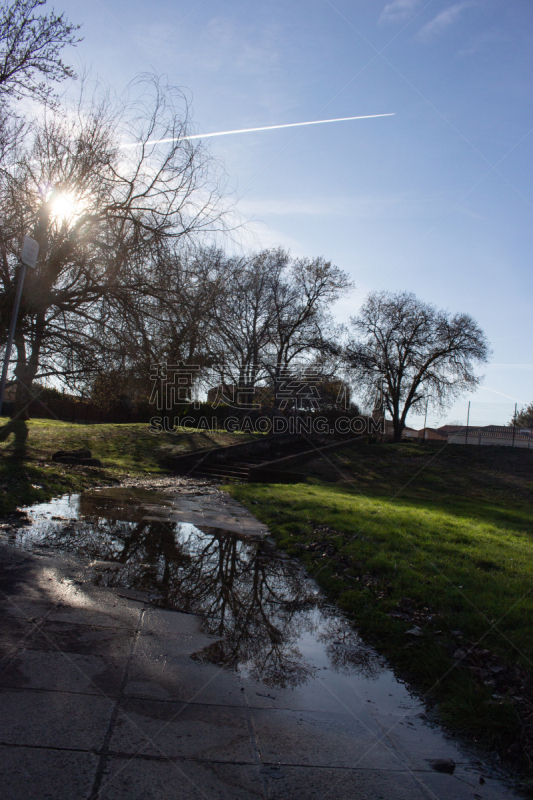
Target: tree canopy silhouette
x,y
414,353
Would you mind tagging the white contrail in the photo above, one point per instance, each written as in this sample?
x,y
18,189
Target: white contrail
x,y
503,395
250,130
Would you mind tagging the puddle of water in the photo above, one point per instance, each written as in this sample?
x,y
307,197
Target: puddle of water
x,y
272,620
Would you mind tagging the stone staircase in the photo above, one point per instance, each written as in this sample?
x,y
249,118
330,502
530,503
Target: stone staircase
x,y
240,466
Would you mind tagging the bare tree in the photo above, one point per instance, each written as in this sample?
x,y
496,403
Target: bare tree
x,y
103,216
30,46
168,321
242,319
301,323
415,352
274,311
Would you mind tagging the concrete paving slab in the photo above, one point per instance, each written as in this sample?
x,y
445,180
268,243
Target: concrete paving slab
x,y
14,633
203,732
53,719
55,671
185,680
170,623
464,786
215,515
313,696
35,774
212,521
84,611
97,617
82,639
289,783
322,740
26,608
57,580
154,646
419,742
138,779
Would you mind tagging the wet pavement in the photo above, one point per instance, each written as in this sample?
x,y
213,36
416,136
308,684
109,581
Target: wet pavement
x,y
156,644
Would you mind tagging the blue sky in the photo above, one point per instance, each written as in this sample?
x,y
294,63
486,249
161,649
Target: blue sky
x,y
437,199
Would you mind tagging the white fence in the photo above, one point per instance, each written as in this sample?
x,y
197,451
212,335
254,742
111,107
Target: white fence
x,y
478,423
480,437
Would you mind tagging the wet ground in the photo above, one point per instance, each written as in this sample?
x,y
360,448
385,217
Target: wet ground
x,y
156,644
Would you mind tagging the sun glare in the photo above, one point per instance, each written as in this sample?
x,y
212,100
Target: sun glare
x,y
65,207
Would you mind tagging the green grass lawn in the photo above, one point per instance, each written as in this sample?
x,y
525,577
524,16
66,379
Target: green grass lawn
x,y
402,535
27,474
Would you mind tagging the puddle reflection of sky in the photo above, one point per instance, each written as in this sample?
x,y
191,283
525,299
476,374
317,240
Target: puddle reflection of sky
x,y
272,621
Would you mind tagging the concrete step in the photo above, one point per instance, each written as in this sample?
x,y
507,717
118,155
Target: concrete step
x,y
230,468
238,467
221,472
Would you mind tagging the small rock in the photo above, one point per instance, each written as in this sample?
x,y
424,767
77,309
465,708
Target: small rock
x,y
446,765
73,453
81,457
459,654
416,631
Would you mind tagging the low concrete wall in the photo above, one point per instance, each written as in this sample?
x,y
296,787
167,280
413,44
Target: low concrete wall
x,y
312,453
258,446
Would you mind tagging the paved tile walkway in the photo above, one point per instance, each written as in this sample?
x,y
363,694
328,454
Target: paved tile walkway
x,y
99,698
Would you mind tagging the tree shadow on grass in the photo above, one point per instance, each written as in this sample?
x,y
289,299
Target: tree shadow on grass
x,y
16,476
19,430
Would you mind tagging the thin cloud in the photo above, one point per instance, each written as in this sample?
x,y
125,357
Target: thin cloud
x,y
441,22
360,206
481,41
398,10
514,366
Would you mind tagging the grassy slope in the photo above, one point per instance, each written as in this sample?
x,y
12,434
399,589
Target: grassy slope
x,y
445,537
27,475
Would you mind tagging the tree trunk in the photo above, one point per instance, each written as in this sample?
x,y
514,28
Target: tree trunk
x,y
398,429
24,375
21,379
27,368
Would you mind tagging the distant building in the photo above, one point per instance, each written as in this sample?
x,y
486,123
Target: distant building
x,y
424,434
431,434
410,433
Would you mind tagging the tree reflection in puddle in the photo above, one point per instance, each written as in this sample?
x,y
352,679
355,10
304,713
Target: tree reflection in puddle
x,y
259,603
